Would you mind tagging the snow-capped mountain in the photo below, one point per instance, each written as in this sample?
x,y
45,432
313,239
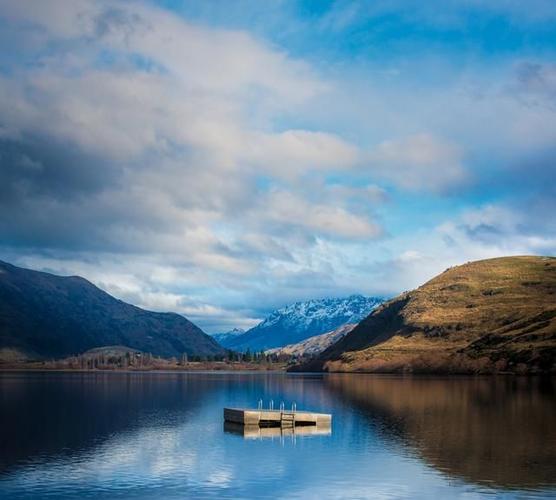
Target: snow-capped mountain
x,y
221,338
302,320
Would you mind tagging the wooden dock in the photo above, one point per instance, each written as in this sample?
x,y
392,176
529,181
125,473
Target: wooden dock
x,y
276,418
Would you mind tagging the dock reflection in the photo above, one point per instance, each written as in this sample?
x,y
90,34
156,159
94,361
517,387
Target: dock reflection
x,y
256,432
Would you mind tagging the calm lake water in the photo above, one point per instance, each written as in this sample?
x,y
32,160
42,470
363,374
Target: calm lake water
x,y
161,435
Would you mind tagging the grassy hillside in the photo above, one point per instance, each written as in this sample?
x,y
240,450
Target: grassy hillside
x,y
487,316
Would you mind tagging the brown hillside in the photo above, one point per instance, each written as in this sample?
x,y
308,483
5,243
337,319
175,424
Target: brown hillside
x,y
486,316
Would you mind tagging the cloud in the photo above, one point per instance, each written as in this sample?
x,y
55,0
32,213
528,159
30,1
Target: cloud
x,y
287,209
223,173
370,193
420,162
146,132
294,152
135,146
217,60
535,84
500,230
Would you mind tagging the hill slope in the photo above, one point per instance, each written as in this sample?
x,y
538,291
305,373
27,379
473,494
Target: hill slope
x,y
313,345
484,316
44,315
302,320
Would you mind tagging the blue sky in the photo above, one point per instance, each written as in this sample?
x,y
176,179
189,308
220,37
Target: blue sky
x,y
221,159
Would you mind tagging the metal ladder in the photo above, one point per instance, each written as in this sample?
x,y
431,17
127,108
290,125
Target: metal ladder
x,y
287,418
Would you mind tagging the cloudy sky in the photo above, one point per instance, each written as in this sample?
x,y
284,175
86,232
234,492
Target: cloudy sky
x,y
223,158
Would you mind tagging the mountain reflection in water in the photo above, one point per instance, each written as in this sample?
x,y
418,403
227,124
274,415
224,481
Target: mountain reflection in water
x,y
161,435
487,430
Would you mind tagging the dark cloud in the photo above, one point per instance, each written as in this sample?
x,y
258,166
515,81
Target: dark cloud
x,y
536,83
486,233
40,166
117,21
45,185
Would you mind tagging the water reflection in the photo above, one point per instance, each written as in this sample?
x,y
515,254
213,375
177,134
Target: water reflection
x,y
53,414
493,431
161,435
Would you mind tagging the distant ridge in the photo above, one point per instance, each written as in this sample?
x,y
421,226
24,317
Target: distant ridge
x,y
44,315
225,337
313,345
301,320
494,315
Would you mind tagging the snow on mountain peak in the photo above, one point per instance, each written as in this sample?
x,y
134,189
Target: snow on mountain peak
x,y
301,320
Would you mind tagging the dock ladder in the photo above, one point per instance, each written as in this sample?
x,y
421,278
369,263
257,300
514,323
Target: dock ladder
x,y
287,418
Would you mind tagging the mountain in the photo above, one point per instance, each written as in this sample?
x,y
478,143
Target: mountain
x,y
313,345
301,320
43,315
223,338
493,315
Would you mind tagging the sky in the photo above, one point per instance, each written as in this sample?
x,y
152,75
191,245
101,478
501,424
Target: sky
x,y
221,159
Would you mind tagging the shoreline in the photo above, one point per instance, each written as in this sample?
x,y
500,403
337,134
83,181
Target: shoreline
x,y
191,367
281,370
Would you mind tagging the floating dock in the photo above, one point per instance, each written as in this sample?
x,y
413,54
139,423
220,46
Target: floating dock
x,y
276,418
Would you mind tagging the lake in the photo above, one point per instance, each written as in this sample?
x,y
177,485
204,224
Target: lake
x,y
161,436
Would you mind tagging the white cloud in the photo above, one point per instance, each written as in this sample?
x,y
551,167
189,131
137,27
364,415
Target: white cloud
x,y
364,194
420,162
497,230
288,209
294,152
